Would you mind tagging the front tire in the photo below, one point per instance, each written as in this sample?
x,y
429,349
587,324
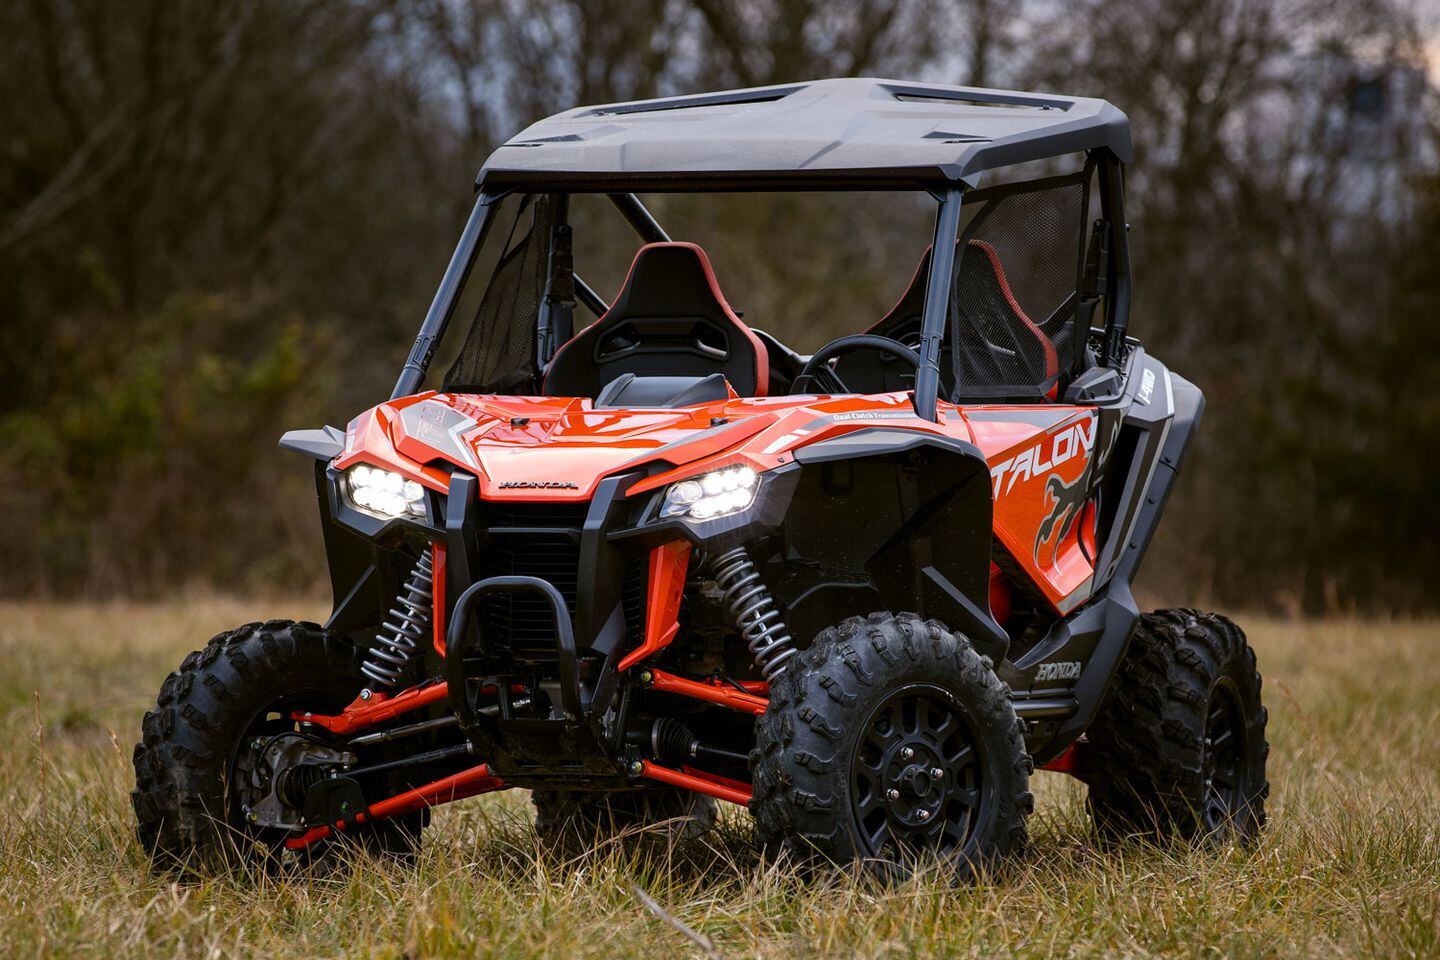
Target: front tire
x,y
890,740
188,809
1179,748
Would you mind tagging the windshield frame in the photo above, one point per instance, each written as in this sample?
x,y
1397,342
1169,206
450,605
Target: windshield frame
x,y
949,199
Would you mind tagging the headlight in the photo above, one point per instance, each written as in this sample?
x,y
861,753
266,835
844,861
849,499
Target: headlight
x,y
384,493
716,494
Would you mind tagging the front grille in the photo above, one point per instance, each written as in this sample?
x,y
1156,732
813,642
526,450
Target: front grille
x,y
530,540
632,596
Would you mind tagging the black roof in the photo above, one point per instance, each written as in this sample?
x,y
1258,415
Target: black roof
x,y
850,132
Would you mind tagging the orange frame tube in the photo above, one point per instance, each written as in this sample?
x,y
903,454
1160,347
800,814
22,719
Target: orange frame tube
x,y
721,788
459,786
712,691
379,708
668,565
1067,762
437,593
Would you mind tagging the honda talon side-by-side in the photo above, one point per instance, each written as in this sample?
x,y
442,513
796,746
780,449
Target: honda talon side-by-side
x,y
650,558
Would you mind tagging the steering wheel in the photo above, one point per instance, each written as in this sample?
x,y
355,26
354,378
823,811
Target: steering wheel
x,y
817,372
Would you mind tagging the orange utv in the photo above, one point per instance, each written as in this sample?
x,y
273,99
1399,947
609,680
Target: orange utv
x,y
651,559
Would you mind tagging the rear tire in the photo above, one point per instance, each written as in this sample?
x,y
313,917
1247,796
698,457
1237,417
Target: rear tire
x,y
187,814
890,740
1179,748
577,815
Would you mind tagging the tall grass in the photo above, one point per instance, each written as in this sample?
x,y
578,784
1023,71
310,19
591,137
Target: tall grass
x,y
1349,866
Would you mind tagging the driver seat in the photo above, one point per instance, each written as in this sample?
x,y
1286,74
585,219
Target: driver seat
x,y
669,319
982,287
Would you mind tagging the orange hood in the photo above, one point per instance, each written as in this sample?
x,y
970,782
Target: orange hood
x,y
558,448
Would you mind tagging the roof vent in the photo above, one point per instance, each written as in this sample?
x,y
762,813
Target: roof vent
x,y
733,99
949,137
974,98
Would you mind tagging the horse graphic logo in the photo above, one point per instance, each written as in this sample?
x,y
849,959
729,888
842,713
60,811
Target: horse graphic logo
x,y
1068,503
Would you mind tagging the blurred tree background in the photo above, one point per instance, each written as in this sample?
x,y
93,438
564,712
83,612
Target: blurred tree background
x,y
222,219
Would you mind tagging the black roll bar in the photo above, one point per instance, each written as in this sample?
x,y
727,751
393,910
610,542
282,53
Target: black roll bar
x,y
1117,311
593,301
442,307
937,299
645,225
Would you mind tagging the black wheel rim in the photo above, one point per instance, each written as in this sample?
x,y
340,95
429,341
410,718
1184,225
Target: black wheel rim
x,y
917,776
1224,759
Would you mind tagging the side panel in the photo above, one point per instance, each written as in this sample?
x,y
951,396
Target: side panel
x,y
1183,406
367,558
1153,425
1143,423
1041,460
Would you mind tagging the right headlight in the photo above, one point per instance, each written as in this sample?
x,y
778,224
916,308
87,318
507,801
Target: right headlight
x,y
719,493
384,493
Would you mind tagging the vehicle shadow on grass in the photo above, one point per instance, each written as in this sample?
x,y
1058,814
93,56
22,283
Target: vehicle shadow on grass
x,y
502,843
732,854
511,846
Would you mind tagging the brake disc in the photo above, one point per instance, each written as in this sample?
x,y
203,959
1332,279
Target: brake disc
x,y
280,771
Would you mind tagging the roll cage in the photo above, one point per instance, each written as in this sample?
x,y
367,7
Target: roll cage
x,y
938,139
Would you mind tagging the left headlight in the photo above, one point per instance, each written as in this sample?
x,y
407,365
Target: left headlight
x,y
384,493
719,493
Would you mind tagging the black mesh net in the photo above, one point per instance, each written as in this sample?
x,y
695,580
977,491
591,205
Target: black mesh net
x,y
1012,316
498,355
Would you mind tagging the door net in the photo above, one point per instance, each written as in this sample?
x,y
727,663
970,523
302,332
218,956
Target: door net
x,y
1012,330
498,355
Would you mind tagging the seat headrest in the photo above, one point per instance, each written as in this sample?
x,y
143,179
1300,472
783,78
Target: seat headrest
x,y
665,277
669,319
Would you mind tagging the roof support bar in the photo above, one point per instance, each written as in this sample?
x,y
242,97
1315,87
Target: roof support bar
x,y
556,321
937,299
442,307
593,301
633,210
1117,313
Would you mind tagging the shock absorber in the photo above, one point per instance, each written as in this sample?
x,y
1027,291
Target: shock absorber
x,y
405,626
754,610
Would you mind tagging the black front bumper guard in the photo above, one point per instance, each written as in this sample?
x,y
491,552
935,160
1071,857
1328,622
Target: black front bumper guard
x,y
573,749
528,751
458,639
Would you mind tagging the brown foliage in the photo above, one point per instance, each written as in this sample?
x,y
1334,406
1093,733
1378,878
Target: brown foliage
x,y
219,220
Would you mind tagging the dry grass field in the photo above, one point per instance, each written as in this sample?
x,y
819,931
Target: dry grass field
x,y
1349,867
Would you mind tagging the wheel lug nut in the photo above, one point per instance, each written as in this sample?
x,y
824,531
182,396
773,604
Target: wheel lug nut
x,y
907,753
923,814
892,794
936,773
